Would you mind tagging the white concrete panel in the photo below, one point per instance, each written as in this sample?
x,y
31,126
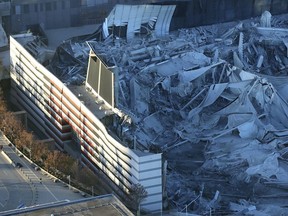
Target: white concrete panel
x,y
150,174
149,157
151,199
154,190
153,181
153,207
151,165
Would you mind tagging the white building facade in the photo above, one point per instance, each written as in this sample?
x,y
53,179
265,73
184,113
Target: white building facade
x,y
54,109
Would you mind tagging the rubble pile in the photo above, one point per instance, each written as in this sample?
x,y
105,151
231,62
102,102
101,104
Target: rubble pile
x,y
213,101
36,47
70,62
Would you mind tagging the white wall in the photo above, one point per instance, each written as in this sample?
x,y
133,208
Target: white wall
x,y
121,164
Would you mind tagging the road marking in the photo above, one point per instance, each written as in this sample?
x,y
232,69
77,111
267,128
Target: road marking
x,y
5,172
3,197
27,166
50,192
32,171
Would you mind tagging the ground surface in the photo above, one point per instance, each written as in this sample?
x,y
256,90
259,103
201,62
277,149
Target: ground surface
x,y
25,186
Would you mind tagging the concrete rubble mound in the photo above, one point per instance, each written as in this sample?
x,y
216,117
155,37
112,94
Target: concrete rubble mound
x,y
213,100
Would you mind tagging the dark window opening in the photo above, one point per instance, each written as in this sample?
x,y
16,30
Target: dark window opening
x,y
17,10
181,9
36,7
48,6
54,5
75,4
13,10
63,5
26,8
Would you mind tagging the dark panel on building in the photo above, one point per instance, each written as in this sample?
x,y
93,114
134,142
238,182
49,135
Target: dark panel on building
x,y
101,79
279,6
93,73
75,21
107,85
244,12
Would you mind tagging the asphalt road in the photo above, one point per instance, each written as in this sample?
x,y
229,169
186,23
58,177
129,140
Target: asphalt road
x,y
14,190
25,186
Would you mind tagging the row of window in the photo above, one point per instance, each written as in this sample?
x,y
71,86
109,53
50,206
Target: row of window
x,y
52,5
30,8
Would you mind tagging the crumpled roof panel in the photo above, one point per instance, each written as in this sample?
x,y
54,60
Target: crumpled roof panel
x,y
133,16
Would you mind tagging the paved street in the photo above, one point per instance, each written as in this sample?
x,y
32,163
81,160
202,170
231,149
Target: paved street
x,y
14,190
25,186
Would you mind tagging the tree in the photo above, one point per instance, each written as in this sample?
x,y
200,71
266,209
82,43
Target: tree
x,y
11,126
64,163
51,161
137,194
24,139
75,170
58,161
39,152
3,106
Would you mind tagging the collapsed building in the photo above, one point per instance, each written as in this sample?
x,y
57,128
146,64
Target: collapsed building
x,y
197,116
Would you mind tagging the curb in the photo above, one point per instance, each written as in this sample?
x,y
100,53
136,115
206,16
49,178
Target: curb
x,y
44,172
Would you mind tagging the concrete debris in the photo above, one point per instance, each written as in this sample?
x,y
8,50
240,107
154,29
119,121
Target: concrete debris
x,y
243,208
265,20
3,37
134,19
70,62
212,99
38,49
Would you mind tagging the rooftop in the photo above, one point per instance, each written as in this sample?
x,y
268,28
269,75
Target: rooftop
x,y
100,205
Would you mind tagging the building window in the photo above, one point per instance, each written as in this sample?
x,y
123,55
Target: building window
x,y
17,9
54,5
48,6
90,3
63,5
41,7
25,8
75,3
35,7
83,2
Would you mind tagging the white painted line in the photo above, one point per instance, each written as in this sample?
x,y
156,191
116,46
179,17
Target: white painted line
x,y
50,192
6,157
22,160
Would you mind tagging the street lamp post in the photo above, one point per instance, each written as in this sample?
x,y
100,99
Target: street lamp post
x,y
69,180
30,152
